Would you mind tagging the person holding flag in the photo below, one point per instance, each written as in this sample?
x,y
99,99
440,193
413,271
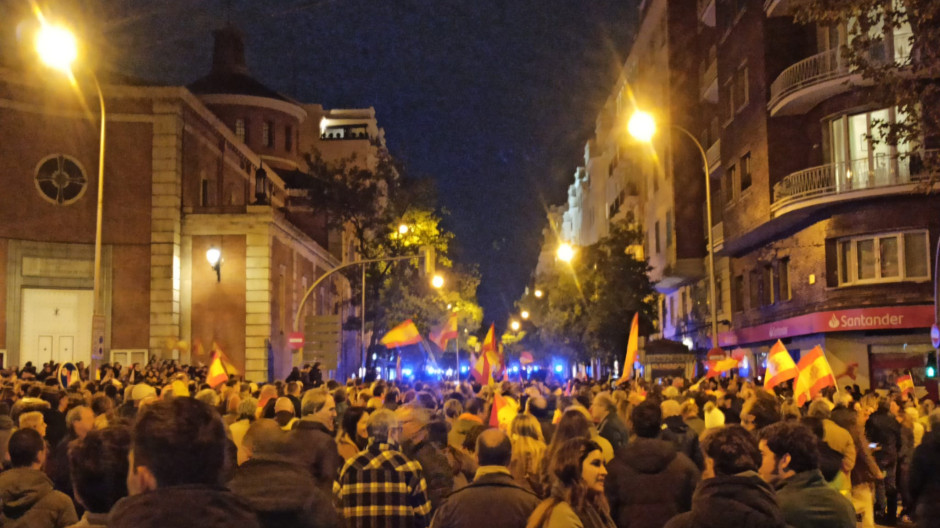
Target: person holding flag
x,y
906,383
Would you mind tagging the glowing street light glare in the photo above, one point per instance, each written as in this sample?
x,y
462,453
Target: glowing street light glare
x,y
515,326
524,314
56,47
565,252
437,281
642,126
539,294
402,229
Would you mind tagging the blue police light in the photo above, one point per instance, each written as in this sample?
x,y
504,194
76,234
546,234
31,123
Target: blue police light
x,y
559,369
407,372
464,368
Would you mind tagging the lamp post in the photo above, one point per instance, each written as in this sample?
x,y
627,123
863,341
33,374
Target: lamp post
x,y
56,46
565,252
642,126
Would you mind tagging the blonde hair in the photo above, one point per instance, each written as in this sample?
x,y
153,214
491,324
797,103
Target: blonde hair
x,y
31,420
528,446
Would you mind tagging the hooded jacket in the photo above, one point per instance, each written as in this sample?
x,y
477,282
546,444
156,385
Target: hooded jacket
x,y
29,501
649,482
807,502
738,501
189,506
685,438
283,494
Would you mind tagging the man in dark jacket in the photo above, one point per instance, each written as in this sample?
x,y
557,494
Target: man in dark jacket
x,y
609,425
925,475
884,430
416,445
649,481
493,499
312,437
680,433
79,421
790,463
732,494
26,492
175,467
282,493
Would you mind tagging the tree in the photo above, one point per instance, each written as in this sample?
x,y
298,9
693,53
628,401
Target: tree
x,y
895,47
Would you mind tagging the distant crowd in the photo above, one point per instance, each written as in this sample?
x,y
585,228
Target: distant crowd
x,y
155,446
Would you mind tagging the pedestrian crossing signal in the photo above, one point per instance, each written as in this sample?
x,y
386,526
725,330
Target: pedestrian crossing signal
x,y
931,368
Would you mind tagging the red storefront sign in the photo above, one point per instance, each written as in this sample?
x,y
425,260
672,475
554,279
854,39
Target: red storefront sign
x,y
880,318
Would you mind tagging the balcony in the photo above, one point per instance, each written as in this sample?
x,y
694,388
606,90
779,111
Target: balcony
x,y
838,182
718,236
713,154
706,12
809,82
709,77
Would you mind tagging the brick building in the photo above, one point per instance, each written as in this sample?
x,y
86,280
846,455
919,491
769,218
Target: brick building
x,y
213,165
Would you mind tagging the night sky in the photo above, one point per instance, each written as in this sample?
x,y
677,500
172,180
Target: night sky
x,y
494,99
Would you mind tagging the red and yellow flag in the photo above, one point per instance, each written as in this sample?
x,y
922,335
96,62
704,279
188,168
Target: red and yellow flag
x,y
815,375
906,383
498,403
633,346
402,335
780,366
716,368
444,333
216,375
488,360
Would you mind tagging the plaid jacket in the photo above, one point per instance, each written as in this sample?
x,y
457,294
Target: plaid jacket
x,y
381,487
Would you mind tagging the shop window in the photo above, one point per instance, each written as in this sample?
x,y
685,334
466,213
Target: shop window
x,y
889,362
890,257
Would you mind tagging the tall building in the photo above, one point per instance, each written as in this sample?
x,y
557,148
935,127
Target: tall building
x,y
217,166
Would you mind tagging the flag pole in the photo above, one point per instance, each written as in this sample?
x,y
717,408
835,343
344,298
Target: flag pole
x,y
457,352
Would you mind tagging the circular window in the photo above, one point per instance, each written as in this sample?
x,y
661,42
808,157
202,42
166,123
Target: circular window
x,y
60,179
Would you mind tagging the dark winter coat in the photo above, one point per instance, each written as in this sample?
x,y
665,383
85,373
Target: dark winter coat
x,y
283,494
438,472
614,431
316,449
883,428
493,500
649,482
29,501
925,480
807,502
685,439
732,501
183,507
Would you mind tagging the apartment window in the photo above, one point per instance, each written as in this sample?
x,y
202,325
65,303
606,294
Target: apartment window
x,y
719,295
656,239
672,311
267,134
890,257
737,294
755,285
728,185
745,171
289,138
240,130
860,156
668,229
739,98
204,193
783,279
729,97
767,286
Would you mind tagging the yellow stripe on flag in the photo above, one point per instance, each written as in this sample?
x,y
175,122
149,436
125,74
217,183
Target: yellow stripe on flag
x,y
402,335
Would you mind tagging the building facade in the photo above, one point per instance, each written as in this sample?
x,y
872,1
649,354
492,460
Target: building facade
x,y
214,166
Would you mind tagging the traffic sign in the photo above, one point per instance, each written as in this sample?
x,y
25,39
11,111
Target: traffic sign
x,y
323,340
97,337
716,354
935,336
296,340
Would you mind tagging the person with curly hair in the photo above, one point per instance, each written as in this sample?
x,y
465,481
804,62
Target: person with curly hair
x,y
577,472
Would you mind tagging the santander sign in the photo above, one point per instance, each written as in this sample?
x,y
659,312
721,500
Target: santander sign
x,y
876,318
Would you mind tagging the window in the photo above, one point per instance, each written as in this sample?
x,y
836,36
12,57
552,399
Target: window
x,y
737,294
861,158
240,130
60,179
754,288
289,138
767,286
656,235
204,193
888,257
719,295
745,171
729,184
739,98
783,279
267,134
729,97
668,229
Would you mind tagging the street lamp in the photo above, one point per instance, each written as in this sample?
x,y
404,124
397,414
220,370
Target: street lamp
x,y
642,127
403,229
524,314
539,294
214,256
57,47
565,252
437,282
515,326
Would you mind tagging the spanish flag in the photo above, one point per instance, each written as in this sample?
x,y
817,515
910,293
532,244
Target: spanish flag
x,y
632,346
217,374
498,403
716,368
482,371
402,335
444,333
780,366
815,375
906,383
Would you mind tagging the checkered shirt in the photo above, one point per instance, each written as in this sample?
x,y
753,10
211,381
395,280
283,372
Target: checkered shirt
x,y
382,488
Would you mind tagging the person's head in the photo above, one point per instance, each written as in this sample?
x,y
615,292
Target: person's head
x,y
578,472
355,423
175,442
476,407
573,424
264,438
98,464
647,419
452,409
787,448
760,411
247,408
819,409
26,449
283,410
729,450
670,408
317,404
526,426
209,397
602,406
412,419
383,427
80,420
33,420
493,448
293,388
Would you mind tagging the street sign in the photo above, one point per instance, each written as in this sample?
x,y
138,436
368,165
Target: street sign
x,y
716,354
935,336
323,340
296,340
97,337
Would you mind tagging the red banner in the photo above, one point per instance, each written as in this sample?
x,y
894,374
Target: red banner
x,y
880,318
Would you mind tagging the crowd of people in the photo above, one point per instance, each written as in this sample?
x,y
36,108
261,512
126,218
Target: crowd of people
x,y
156,447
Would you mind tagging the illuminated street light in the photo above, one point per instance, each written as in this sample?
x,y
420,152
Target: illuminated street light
x,y
214,256
642,126
437,281
524,314
402,229
565,252
539,294
515,326
56,47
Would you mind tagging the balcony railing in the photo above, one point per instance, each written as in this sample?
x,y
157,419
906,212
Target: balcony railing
x,y
842,178
713,154
816,69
